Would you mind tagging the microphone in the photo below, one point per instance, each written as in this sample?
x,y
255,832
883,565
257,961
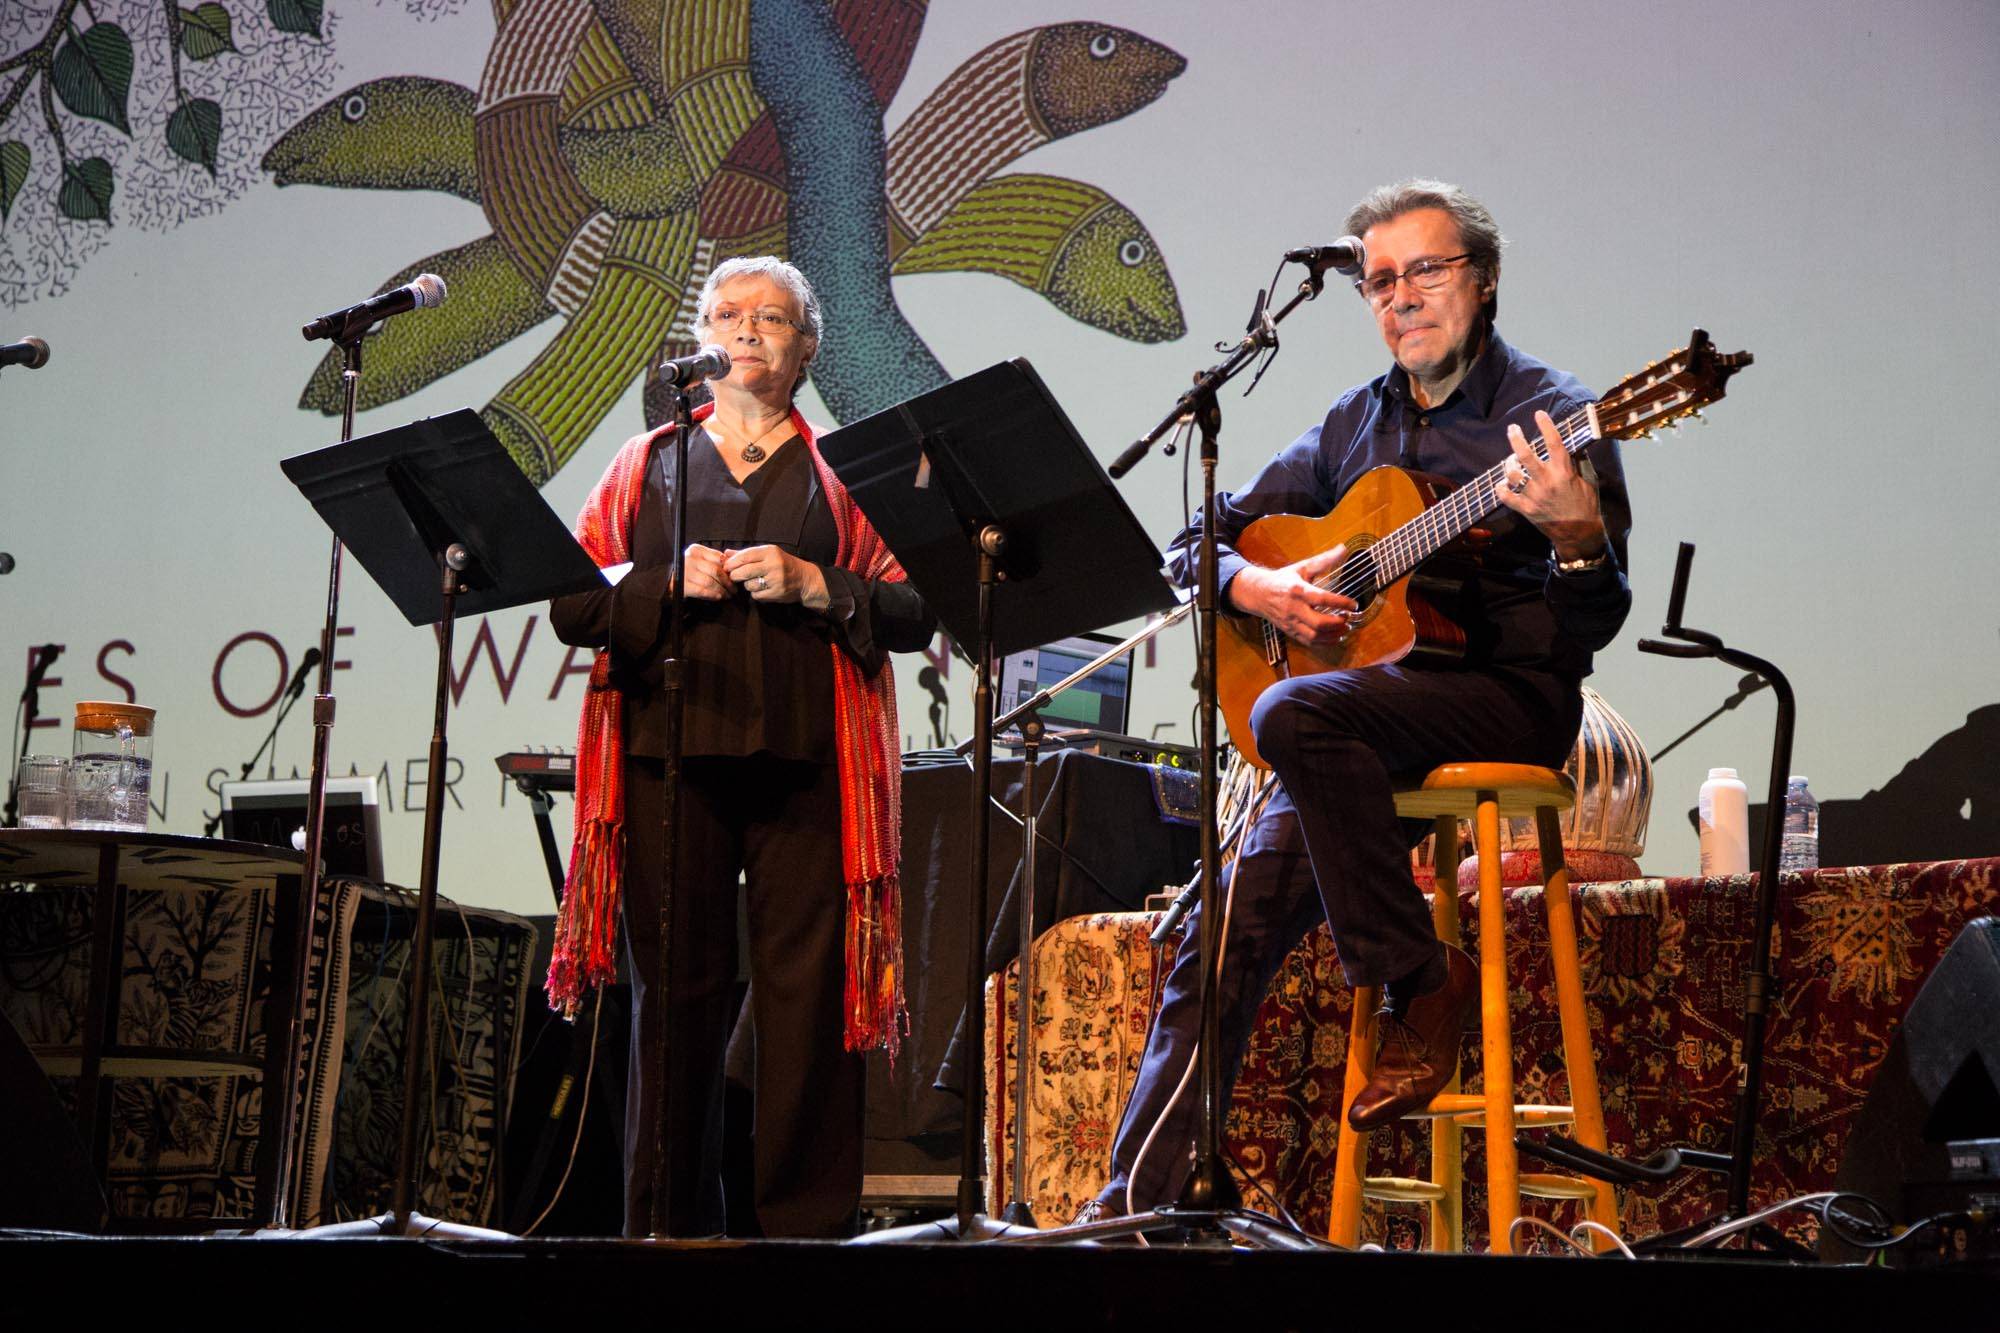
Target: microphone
x,y
6,563
31,353
1170,920
684,372
420,293
1346,255
306,664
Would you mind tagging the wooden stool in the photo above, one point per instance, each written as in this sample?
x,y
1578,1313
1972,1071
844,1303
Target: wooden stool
x,y
1483,793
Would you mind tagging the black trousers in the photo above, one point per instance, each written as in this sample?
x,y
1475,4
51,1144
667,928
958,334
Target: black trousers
x,y
1338,743
777,823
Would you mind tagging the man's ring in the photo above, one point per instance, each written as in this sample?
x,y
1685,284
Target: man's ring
x,y
1518,485
762,583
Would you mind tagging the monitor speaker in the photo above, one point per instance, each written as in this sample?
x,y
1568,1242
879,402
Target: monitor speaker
x,y
1927,1140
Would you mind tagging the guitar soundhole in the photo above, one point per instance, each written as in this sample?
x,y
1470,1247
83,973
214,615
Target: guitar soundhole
x,y
1357,577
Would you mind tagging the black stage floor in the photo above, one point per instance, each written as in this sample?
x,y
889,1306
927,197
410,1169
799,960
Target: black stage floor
x,y
247,1283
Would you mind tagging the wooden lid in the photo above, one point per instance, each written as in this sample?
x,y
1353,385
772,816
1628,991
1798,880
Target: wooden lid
x,y
101,716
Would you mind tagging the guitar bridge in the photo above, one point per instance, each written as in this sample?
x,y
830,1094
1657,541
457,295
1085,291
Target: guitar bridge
x,y
1274,648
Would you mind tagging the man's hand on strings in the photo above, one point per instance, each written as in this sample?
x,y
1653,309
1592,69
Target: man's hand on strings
x,y
1293,599
1551,493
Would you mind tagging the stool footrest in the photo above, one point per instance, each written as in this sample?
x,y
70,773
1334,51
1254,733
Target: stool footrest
x,y
1544,1186
1469,1110
1403,1189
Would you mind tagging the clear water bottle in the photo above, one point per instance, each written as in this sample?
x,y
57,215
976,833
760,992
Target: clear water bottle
x,y
1800,850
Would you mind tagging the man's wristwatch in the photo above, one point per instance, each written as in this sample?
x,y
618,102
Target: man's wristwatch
x,y
1586,564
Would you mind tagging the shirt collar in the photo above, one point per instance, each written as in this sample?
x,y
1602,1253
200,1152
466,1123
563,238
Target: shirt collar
x,y
1479,387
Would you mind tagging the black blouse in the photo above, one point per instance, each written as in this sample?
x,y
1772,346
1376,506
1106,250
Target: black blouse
x,y
759,675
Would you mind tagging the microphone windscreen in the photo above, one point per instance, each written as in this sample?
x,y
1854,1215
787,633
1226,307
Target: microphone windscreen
x,y
429,289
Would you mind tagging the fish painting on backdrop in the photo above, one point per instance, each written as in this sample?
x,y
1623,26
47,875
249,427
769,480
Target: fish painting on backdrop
x,y
621,148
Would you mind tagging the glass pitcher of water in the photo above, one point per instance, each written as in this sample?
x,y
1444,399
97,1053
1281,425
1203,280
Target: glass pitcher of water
x,y
111,766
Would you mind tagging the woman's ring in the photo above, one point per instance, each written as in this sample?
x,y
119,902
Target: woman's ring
x,y
1518,485
762,583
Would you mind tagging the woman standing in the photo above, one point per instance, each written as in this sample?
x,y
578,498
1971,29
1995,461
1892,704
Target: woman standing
x,y
790,776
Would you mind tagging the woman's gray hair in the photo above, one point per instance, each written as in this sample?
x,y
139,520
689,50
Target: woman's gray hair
x,y
761,266
1477,231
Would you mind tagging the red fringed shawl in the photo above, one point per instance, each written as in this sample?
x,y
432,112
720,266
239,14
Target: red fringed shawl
x,y
870,771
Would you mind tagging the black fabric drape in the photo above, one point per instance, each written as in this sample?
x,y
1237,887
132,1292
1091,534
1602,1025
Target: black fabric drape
x,y
1105,847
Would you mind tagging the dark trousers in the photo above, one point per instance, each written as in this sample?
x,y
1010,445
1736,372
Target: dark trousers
x,y
778,824
1338,743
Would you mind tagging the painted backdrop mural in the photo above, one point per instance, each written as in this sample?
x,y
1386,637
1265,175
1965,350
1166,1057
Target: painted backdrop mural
x,y
622,149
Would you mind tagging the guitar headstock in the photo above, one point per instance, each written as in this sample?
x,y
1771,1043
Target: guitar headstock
x,y
1686,381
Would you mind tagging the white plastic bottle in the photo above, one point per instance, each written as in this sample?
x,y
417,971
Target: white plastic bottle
x,y
1724,813
1801,844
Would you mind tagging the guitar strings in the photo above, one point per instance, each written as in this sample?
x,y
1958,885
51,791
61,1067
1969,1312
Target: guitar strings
x,y
1443,521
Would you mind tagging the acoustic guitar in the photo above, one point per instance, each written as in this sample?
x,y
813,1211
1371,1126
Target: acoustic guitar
x,y
1392,520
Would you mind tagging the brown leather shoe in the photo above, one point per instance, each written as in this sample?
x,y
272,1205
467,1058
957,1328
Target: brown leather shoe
x,y
1096,1210
1419,1051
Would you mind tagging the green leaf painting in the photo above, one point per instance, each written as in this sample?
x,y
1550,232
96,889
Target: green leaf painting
x,y
206,32
295,15
86,190
15,159
195,130
92,73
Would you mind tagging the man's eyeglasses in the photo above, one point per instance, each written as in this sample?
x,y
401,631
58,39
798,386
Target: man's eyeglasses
x,y
763,321
1427,274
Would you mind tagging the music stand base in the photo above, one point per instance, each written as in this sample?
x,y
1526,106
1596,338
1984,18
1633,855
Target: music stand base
x,y
1194,1227
384,1228
978,1227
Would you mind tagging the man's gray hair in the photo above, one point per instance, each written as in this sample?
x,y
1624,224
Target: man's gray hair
x,y
761,266
1478,233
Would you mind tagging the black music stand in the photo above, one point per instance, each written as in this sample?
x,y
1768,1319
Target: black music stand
x,y
447,525
1009,527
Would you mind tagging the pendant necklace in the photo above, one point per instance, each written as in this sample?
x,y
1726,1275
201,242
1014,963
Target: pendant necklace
x,y
753,451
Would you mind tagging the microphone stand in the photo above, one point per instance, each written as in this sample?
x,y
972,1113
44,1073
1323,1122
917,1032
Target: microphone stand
x,y
672,679
1028,716
31,701
292,694
1210,1207
349,343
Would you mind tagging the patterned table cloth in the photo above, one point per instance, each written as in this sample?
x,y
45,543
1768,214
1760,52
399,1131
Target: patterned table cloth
x,y
1663,963
197,976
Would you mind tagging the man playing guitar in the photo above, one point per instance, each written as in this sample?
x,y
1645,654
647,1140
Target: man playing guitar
x,y
1535,592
